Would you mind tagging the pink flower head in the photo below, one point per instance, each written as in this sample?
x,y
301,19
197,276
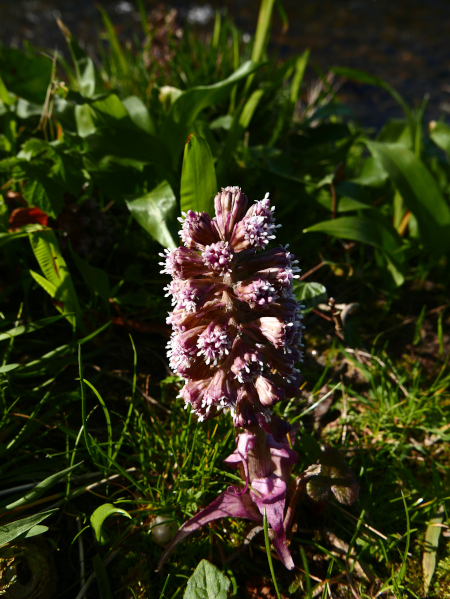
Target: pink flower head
x,y
236,321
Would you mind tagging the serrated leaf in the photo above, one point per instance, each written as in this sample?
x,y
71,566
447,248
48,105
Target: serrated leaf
x,y
310,294
335,477
59,282
198,177
419,191
99,516
46,285
9,532
155,212
207,582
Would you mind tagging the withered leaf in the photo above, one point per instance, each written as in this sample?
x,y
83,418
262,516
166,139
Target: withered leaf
x,y
334,477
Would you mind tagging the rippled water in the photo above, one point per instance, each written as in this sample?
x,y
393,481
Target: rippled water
x,y
405,42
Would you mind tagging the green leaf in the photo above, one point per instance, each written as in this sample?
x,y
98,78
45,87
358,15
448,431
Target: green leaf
x,y
363,77
118,57
9,532
25,76
207,582
419,191
99,516
310,294
46,285
84,67
240,123
41,488
360,228
183,112
8,367
262,29
59,282
198,177
111,131
36,194
140,114
440,134
35,531
300,66
372,174
432,535
155,212
395,131
101,574
335,477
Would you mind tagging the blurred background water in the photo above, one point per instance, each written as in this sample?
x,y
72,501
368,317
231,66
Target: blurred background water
x,y
406,42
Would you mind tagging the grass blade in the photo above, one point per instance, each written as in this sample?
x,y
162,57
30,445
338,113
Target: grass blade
x,y
269,555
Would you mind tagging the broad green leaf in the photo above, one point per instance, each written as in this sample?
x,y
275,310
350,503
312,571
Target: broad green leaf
x,y
60,286
140,114
9,532
110,131
25,76
96,279
419,191
335,477
440,134
99,516
7,368
432,535
207,582
45,284
39,529
37,195
222,122
198,177
155,212
5,96
360,228
183,112
41,488
372,174
310,294
395,131
84,121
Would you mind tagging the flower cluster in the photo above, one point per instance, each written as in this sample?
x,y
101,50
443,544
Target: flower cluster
x,y
236,324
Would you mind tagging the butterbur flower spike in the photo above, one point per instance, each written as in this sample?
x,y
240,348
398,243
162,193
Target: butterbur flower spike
x,y
236,339
234,303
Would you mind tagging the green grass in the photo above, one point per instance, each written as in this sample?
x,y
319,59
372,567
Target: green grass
x,y
388,417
